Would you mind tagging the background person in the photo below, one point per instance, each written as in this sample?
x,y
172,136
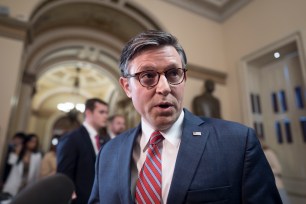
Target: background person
x,y
173,156
25,166
48,163
277,171
76,151
116,125
14,147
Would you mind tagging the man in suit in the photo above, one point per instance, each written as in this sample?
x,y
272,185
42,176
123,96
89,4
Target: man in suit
x,y
116,125
76,151
174,156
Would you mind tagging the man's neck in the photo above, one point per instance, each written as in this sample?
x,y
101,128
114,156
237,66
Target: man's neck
x,y
89,127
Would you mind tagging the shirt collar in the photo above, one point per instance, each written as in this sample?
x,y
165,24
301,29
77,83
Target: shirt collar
x,y
111,134
92,132
172,135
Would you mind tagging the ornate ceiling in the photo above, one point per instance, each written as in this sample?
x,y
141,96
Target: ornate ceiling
x,y
89,35
65,34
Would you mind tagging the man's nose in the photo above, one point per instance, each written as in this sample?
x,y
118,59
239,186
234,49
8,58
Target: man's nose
x,y
163,85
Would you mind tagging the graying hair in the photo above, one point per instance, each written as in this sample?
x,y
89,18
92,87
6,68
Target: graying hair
x,y
147,40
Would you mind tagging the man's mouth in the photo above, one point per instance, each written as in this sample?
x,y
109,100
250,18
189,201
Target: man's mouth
x,y
164,105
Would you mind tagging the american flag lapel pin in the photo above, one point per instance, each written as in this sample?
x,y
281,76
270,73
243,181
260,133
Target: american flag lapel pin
x,y
196,133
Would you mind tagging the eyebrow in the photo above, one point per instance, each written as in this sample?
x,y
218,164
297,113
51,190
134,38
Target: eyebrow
x,y
147,68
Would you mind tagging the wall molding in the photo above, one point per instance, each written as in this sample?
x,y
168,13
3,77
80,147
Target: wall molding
x,y
205,73
13,28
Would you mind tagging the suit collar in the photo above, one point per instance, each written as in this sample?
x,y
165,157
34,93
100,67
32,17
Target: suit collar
x,y
194,138
191,150
87,141
125,158
91,131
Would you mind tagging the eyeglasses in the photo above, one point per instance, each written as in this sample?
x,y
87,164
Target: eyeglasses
x,y
150,78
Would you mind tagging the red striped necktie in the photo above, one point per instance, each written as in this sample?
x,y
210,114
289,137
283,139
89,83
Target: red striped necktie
x,y
148,186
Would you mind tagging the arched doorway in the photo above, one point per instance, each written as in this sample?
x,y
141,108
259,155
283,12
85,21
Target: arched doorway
x,y
69,34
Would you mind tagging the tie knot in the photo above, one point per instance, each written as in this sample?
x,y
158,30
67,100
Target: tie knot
x,y
156,138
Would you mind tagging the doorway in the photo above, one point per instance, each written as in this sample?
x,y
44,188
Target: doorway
x,y
275,100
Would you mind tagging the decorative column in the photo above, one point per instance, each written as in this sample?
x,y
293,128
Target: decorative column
x,y
23,109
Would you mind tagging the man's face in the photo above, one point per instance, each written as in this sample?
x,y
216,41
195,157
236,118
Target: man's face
x,y
98,117
160,105
118,125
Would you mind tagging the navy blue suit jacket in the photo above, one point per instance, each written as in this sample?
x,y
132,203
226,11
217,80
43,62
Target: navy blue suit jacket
x,y
225,164
76,158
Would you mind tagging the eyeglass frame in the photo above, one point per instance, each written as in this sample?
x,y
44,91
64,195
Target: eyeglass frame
x,y
159,73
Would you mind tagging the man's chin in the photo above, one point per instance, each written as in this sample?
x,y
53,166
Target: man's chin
x,y
163,123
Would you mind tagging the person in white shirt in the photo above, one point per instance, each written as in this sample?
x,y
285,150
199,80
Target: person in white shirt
x,y
25,166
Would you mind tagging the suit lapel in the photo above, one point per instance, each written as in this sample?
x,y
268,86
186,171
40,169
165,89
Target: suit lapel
x,y
125,159
87,141
194,138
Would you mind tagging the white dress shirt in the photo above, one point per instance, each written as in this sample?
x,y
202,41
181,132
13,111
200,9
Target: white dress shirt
x,y
111,134
169,150
92,134
15,177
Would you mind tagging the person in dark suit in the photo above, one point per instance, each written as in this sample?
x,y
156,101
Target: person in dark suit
x,y
187,159
76,151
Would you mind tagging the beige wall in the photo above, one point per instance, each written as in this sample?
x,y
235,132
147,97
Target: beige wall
x,y
20,9
9,75
202,40
221,46
257,25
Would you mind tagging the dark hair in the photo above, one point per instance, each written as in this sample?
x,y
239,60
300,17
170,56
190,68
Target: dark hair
x,y
146,40
90,103
27,139
20,135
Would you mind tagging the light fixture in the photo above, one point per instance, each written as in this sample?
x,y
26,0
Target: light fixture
x,y
276,55
54,141
70,107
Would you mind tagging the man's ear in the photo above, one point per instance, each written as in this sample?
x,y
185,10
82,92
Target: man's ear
x,y
125,86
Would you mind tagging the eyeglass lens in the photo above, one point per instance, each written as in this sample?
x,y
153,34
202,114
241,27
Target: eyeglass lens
x,y
151,78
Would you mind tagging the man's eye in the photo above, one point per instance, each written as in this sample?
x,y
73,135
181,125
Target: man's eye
x,y
148,75
172,73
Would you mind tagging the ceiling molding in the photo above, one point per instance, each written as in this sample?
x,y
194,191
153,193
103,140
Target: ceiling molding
x,y
28,78
217,10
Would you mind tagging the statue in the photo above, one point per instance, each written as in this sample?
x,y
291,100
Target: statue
x,y
206,104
